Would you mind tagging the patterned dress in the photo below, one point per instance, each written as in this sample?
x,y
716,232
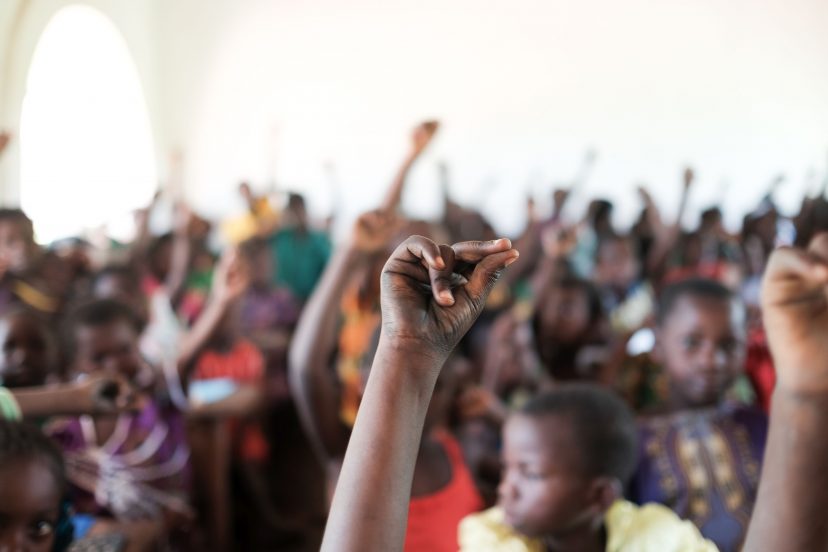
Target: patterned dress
x,y
704,465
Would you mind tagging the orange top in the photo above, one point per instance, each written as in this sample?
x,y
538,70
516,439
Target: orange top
x,y
433,519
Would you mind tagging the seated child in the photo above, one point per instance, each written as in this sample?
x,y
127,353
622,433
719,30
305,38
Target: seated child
x,y
27,350
699,455
133,466
566,456
563,497
34,513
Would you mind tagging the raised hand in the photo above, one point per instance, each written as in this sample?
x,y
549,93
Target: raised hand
x,y
422,136
432,294
689,177
795,312
5,138
374,230
232,276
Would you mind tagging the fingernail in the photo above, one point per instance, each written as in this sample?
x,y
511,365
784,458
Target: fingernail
x,y
511,260
446,296
439,263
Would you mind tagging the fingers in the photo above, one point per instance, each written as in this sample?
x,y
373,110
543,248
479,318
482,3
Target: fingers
x,y
441,280
818,247
422,249
486,273
475,251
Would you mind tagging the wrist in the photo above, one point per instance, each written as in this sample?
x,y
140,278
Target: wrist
x,y
410,357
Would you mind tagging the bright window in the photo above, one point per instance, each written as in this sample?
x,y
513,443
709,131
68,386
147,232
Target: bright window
x,y
86,145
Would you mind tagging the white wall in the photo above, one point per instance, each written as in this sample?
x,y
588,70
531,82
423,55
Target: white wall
x,y
253,88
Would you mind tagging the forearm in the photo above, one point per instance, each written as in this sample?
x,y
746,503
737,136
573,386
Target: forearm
x,y
792,503
38,402
179,267
314,342
394,196
370,506
196,337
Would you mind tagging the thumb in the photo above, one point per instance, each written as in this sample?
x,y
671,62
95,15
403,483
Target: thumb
x,y
486,274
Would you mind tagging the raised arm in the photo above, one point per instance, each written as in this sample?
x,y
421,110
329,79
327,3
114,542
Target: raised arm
x,y
230,282
430,298
792,502
420,138
311,375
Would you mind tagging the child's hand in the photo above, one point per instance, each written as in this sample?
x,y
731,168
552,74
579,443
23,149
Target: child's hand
x,y
432,294
423,135
5,138
374,230
105,395
795,311
477,402
689,177
232,276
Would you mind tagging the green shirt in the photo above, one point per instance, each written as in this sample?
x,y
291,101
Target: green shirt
x,y
299,259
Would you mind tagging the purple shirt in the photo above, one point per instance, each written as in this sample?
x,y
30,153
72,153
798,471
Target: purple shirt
x,y
705,466
140,471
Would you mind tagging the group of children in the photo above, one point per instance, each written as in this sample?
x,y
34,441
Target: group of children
x,y
609,392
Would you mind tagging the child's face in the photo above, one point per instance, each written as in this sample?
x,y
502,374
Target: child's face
x,y
702,347
564,315
616,266
15,248
121,288
25,358
110,349
542,491
29,506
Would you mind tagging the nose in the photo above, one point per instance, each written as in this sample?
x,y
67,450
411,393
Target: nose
x,y
712,358
507,490
13,541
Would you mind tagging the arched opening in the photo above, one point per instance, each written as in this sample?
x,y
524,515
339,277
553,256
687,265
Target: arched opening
x,y
86,149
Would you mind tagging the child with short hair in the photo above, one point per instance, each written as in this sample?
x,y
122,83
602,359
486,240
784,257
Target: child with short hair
x,y
567,455
133,466
27,350
424,317
34,513
700,455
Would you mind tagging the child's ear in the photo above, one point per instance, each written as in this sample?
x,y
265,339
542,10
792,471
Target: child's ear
x,y
605,492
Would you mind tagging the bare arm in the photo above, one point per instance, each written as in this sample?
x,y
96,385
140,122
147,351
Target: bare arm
x,y
311,376
420,327
95,395
420,139
792,503
230,282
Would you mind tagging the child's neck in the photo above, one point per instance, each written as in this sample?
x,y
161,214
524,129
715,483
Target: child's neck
x,y
590,538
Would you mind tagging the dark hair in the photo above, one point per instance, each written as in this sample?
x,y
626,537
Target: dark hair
x,y
18,216
23,441
692,287
100,312
616,238
296,201
117,271
253,247
603,426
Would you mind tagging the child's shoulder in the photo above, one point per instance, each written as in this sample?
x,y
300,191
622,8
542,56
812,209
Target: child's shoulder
x,y
488,531
651,528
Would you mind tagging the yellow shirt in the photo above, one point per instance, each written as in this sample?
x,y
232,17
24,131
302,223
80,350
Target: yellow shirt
x,y
630,528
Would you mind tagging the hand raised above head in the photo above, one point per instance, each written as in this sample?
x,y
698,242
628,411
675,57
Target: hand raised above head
x,y
422,135
795,313
374,230
431,295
